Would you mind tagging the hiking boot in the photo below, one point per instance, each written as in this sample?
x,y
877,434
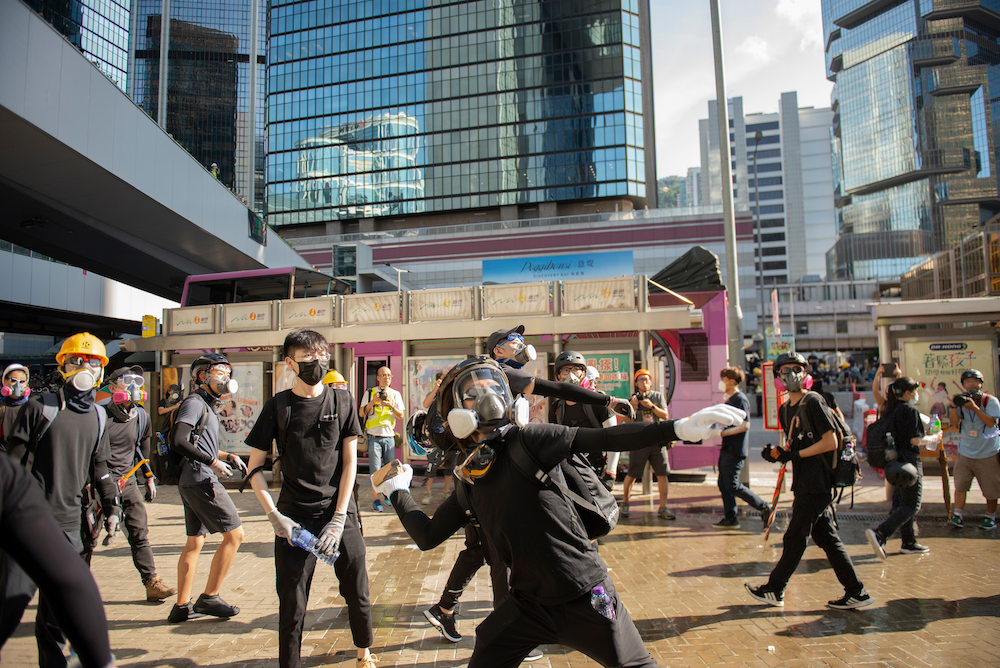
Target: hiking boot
x,y
765,594
851,601
534,655
956,520
726,524
377,506
988,523
426,501
623,510
180,613
370,661
877,543
445,624
914,548
214,606
664,513
157,590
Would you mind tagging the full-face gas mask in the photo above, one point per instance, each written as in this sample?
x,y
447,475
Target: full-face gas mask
x,y
480,399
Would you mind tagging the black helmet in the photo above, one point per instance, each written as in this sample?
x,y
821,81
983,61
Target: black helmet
x,y
900,474
449,397
569,358
206,361
416,438
973,373
789,358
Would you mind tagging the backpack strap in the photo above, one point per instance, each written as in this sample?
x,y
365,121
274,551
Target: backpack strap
x,y
525,463
51,406
560,411
592,416
465,503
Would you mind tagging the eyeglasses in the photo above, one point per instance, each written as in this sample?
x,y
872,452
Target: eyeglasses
x,y
322,355
131,379
385,375
83,360
572,368
791,369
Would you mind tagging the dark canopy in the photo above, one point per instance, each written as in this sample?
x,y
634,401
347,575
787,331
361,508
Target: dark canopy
x,y
695,271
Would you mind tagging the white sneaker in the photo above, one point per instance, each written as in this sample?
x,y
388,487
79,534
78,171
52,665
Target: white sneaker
x,y
426,500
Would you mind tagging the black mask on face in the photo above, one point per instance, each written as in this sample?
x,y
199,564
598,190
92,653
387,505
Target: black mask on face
x,y
79,401
312,373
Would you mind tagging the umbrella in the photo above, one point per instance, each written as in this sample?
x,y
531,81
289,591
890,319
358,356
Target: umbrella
x,y
774,501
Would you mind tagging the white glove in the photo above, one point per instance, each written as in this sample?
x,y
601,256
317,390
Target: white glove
x,y
708,422
222,469
283,526
400,481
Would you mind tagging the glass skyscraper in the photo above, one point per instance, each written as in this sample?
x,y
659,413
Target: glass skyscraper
x,y
915,126
384,108
207,88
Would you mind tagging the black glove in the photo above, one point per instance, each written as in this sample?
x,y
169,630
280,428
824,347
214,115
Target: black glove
x,y
766,454
960,400
785,456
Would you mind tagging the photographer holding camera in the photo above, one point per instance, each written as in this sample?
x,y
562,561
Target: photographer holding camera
x,y
650,406
381,407
976,414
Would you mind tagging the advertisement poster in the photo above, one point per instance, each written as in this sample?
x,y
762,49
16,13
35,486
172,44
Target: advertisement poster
x,y
371,308
557,267
772,400
523,299
448,304
615,370
938,365
609,294
778,344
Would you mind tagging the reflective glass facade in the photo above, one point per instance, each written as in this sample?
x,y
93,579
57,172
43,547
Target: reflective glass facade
x,y
99,28
382,108
914,134
214,86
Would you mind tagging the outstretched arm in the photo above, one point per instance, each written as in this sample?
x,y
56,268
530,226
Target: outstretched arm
x,y
426,532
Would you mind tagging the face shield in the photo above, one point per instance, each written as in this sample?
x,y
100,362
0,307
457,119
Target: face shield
x,y
483,402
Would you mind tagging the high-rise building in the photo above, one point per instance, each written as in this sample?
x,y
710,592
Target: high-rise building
x,y
692,187
789,169
207,88
914,128
442,111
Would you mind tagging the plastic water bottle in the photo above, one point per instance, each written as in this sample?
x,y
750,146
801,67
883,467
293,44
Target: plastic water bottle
x,y
304,539
602,602
161,445
935,428
890,448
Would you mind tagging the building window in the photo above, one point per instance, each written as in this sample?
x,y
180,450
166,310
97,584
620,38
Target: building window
x,y
841,327
771,194
763,127
772,139
802,328
761,183
694,356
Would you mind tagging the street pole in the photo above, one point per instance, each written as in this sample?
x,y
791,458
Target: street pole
x,y
735,314
756,216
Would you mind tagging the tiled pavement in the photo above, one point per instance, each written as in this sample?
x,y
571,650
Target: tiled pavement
x,y
682,582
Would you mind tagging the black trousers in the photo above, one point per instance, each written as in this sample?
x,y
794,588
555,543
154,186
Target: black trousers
x,y
905,505
812,515
468,563
517,626
136,527
294,568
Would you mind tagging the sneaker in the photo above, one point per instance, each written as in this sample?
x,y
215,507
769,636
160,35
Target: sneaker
x,y
445,624
180,613
956,520
426,501
914,548
623,510
765,594
877,543
377,506
988,523
214,606
664,513
388,502
370,661
609,483
534,655
851,601
765,514
726,524
157,590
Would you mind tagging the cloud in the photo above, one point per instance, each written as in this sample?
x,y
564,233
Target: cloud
x,y
806,17
755,47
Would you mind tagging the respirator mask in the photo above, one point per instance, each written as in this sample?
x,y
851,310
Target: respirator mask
x,y
576,376
483,402
223,382
793,378
86,376
18,390
522,353
722,386
133,391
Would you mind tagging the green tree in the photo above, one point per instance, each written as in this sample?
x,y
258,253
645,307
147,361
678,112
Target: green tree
x,y
668,191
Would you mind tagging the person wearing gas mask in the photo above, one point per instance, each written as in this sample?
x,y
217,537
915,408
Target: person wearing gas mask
x,y
168,405
650,406
560,590
64,441
14,392
316,429
811,444
381,407
976,414
207,506
905,472
129,433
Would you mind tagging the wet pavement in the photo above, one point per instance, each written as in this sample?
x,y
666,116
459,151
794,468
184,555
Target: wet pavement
x,y
681,580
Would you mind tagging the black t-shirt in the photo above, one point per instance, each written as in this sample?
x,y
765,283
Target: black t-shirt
x,y
7,424
312,459
193,472
163,422
64,458
738,443
804,424
124,436
905,424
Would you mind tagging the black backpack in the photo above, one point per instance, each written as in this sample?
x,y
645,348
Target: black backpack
x,y
170,466
846,468
876,441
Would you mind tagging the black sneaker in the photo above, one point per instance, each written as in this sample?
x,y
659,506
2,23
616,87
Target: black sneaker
x,y
180,613
765,594
877,543
914,548
445,624
851,601
214,606
765,514
726,524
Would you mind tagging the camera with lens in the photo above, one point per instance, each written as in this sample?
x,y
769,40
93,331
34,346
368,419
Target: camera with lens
x,y
383,395
640,396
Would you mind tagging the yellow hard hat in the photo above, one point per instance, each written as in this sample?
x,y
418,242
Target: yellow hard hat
x,y
333,376
83,343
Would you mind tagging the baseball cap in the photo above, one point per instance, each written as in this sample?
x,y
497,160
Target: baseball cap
x,y
125,370
499,336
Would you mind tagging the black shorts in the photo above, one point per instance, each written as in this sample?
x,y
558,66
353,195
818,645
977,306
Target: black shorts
x,y
208,509
656,456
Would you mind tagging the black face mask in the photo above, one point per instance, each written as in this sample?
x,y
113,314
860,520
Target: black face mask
x,y
79,401
312,373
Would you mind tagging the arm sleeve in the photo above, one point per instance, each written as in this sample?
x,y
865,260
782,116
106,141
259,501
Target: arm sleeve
x,y
146,469
428,532
569,392
180,440
629,436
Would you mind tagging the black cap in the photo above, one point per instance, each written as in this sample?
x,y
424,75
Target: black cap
x,y
174,386
125,370
499,336
973,373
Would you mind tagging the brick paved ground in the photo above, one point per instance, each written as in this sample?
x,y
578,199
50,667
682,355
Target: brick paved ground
x,y
682,581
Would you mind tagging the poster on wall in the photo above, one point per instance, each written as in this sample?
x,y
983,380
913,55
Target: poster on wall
x,y
778,344
615,370
938,365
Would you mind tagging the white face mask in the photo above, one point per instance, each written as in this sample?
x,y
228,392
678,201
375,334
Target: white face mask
x,y
722,386
914,399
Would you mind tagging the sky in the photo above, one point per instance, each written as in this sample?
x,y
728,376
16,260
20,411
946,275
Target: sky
x,y
770,47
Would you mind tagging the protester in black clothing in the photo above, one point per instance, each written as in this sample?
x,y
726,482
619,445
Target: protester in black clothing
x,y
30,536
13,393
907,430
733,454
318,452
809,430
65,450
555,569
571,367
129,434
